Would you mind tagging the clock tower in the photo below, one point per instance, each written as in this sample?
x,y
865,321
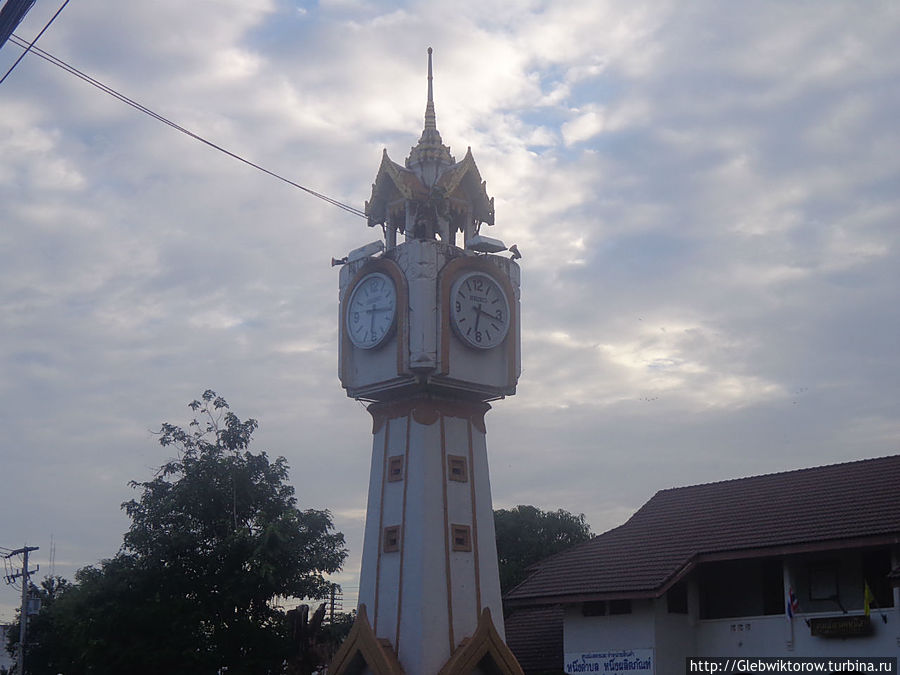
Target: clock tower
x,y
429,333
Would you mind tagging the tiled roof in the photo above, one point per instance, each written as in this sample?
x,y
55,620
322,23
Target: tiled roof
x,y
804,507
535,636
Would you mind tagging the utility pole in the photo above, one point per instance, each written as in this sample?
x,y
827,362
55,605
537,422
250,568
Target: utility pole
x,y
331,613
23,614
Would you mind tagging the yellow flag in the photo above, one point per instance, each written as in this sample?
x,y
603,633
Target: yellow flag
x,y
869,598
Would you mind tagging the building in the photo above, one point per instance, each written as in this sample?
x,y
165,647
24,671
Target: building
x,y
711,570
429,333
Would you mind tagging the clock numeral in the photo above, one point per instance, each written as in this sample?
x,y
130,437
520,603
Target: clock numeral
x,y
477,336
458,307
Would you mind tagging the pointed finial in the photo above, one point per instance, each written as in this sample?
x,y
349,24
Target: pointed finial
x,y
430,118
430,148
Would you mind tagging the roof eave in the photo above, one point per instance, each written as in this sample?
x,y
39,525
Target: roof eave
x,y
688,566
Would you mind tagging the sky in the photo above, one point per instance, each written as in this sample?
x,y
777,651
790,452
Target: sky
x,y
705,195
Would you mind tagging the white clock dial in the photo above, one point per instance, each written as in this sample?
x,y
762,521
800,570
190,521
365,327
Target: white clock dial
x,y
479,310
371,310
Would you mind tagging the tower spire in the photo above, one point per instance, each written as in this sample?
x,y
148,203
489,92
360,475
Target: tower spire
x,y
430,117
430,153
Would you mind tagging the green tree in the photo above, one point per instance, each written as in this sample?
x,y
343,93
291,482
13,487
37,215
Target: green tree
x,y
526,535
48,592
215,538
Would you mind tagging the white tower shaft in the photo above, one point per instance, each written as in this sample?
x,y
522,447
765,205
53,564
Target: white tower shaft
x,y
429,558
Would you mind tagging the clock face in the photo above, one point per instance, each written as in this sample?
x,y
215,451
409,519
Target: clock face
x,y
371,310
479,310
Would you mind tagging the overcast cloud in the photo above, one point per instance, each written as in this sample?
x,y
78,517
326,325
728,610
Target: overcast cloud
x,y
705,194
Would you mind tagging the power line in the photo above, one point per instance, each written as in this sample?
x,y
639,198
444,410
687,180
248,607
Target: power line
x,y
147,111
27,49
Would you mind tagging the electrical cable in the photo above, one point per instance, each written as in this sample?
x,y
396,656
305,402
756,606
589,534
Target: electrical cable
x,y
28,49
147,111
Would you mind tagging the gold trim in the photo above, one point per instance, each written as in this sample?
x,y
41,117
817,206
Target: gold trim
x,y
485,643
426,414
425,410
403,529
384,461
474,521
447,536
363,649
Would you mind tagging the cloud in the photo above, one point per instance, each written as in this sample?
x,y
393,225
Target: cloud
x,y
705,199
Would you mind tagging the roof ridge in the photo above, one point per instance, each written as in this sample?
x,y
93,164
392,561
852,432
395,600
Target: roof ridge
x,y
798,506
809,469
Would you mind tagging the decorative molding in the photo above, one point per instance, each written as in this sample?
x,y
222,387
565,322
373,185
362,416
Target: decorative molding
x,y
362,649
426,410
458,469
391,539
395,469
426,414
485,643
461,536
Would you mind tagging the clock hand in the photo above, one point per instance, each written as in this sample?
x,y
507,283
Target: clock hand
x,y
478,312
492,317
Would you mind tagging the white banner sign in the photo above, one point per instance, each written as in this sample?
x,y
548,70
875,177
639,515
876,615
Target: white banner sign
x,y
636,661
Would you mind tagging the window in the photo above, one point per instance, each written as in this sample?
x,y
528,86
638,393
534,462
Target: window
x,y
619,607
773,594
457,468
823,580
391,539
595,608
395,468
876,565
677,599
736,588
462,537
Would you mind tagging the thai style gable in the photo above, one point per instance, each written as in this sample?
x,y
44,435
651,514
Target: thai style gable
x,y
483,652
363,652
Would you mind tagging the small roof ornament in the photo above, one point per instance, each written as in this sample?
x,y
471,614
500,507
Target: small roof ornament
x,y
430,153
433,195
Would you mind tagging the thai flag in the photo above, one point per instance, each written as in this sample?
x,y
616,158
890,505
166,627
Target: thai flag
x,y
792,605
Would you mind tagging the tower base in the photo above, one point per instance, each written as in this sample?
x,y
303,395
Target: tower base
x,y
362,653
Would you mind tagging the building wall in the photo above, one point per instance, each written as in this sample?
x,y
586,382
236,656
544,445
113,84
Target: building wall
x,y
776,636
674,636
619,632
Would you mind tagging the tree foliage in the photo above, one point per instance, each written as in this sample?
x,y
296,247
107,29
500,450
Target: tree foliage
x,y
215,538
526,535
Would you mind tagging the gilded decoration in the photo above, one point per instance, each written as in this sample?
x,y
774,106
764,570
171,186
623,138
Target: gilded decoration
x,y
427,410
